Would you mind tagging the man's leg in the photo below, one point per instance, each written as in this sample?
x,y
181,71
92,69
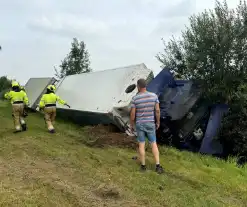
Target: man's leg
x,y
22,121
151,134
155,152
53,115
141,142
16,117
48,112
142,153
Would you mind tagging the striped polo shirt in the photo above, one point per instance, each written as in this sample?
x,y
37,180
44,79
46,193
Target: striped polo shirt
x,y
145,105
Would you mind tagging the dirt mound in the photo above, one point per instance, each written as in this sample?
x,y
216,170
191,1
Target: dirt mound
x,y
108,135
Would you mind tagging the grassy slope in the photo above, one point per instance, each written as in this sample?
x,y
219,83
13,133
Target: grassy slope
x,y
39,169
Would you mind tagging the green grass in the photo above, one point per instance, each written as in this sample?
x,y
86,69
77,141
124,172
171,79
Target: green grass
x,y
39,169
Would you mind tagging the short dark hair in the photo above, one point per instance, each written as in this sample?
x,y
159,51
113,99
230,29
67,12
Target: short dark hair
x,y
141,83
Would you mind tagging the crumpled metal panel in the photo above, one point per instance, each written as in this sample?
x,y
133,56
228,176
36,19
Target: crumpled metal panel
x,y
185,98
176,96
210,143
35,87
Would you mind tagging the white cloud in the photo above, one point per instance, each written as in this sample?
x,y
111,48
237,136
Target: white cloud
x,y
69,24
36,35
183,8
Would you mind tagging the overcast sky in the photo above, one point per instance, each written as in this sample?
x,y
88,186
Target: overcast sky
x,y
35,35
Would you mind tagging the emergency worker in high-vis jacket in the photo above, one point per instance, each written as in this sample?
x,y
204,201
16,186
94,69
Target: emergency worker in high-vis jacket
x,y
19,101
48,104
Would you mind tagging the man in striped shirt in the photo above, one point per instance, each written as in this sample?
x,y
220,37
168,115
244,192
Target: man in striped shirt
x,y
144,109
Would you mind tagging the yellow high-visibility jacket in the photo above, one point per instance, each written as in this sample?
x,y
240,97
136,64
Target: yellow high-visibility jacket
x,y
50,98
16,96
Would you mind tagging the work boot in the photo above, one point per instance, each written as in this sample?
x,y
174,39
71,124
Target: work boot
x,y
143,168
159,169
16,131
52,131
24,127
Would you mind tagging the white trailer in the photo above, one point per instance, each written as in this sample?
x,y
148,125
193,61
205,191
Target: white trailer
x,y
101,97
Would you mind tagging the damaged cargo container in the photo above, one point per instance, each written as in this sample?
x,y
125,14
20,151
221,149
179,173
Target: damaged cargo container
x,y
101,97
35,88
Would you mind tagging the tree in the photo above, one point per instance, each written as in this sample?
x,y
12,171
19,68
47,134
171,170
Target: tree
x,y
213,50
76,62
5,83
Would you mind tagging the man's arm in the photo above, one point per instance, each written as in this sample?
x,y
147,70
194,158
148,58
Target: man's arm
x,y
132,114
157,113
26,101
62,102
7,95
132,117
42,102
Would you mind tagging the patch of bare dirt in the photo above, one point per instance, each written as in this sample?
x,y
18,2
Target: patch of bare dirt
x,y
108,192
109,135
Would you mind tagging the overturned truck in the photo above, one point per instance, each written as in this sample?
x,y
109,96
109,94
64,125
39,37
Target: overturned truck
x,y
104,97
187,121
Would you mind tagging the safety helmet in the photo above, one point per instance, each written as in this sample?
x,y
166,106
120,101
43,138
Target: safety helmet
x,y
15,84
51,88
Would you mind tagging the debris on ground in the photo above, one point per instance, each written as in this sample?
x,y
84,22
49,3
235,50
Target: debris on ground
x,y
108,135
